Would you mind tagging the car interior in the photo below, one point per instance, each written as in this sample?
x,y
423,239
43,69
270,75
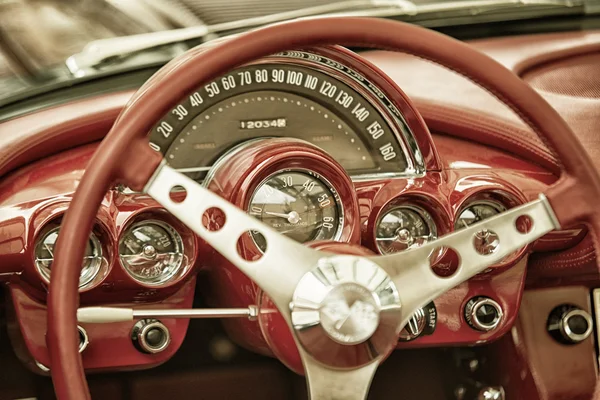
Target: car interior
x,y
299,199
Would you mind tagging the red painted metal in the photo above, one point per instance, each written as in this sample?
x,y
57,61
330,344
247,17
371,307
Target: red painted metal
x,y
469,170
38,193
110,344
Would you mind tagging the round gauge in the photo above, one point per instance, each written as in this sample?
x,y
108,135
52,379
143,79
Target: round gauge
x,y
44,256
477,211
298,204
151,252
404,227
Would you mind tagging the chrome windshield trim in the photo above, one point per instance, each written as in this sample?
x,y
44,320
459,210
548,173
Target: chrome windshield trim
x,y
99,52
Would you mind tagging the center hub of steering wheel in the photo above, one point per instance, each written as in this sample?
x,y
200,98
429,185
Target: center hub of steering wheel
x,y
349,313
346,311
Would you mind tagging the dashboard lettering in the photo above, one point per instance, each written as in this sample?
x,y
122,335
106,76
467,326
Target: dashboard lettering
x,y
196,99
180,111
205,146
212,89
387,151
311,82
165,129
294,77
309,185
360,112
354,120
278,75
265,123
328,89
344,99
245,78
322,138
375,130
261,75
228,82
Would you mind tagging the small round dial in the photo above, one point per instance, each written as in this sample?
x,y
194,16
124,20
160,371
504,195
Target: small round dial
x,y
44,256
477,212
152,252
298,204
404,227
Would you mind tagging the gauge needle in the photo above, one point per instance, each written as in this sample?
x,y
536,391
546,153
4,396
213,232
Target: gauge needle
x,y
292,217
49,250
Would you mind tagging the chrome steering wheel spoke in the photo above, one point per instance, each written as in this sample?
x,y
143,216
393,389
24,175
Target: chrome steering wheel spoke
x,y
337,384
508,232
283,263
346,312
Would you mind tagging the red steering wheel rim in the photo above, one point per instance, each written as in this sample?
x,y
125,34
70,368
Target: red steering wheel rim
x,y
571,197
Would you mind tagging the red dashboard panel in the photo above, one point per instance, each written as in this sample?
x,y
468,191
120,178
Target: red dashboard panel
x,y
442,194
31,195
51,182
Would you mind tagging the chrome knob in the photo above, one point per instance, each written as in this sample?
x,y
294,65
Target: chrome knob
x,y
414,327
491,393
483,313
422,322
84,339
150,336
569,324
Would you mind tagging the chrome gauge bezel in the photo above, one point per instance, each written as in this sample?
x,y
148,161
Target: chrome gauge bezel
x,y
174,272
423,213
86,278
325,181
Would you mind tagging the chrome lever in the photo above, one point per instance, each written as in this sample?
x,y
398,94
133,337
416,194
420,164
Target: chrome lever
x,y
107,315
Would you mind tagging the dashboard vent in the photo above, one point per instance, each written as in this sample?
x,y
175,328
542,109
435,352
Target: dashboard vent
x,y
577,76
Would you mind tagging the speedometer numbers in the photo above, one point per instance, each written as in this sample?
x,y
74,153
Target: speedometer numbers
x,y
299,204
295,95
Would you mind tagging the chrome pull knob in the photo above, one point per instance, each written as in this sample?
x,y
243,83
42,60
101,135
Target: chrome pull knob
x,y
569,324
483,313
491,393
422,322
150,336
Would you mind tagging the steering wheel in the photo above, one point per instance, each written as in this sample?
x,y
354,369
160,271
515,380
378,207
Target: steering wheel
x,y
378,293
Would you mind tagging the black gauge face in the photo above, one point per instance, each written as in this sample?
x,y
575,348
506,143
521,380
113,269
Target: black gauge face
x,y
151,251
403,228
299,205
283,100
476,212
44,256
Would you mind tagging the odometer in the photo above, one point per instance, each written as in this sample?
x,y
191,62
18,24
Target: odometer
x,y
298,204
317,100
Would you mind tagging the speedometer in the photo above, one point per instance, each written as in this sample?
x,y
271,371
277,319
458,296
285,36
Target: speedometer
x,y
297,95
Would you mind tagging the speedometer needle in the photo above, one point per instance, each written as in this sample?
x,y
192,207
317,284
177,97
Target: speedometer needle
x,y
292,217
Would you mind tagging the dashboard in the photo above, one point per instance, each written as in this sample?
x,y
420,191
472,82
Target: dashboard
x,y
320,144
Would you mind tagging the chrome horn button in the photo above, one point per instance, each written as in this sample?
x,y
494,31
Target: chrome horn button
x,y
346,311
349,313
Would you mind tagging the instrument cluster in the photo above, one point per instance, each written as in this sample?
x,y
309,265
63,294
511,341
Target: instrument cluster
x,y
149,248
317,144
409,222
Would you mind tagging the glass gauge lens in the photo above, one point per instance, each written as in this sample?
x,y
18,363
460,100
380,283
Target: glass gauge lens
x,y
152,252
403,228
476,212
298,205
44,256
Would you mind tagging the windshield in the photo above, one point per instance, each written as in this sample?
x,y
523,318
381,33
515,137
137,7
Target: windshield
x,y
37,37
